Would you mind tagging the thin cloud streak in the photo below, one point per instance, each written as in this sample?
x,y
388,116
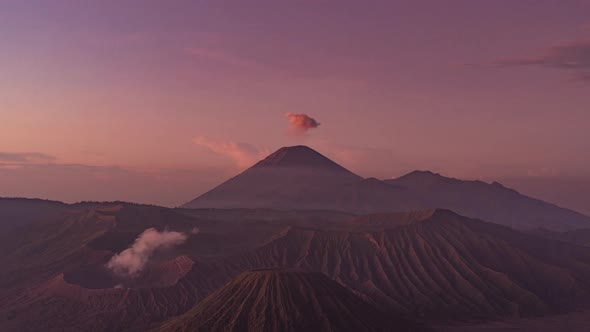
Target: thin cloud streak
x,y
572,56
243,155
223,57
26,157
581,76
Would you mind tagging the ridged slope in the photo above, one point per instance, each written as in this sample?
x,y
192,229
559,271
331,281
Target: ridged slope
x,y
444,267
434,265
283,300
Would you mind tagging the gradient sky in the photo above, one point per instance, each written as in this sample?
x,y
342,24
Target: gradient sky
x,y
157,101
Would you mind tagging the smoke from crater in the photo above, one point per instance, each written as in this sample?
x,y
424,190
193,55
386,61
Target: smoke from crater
x,y
131,261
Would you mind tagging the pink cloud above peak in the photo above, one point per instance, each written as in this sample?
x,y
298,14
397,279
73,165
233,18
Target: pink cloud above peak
x,y
301,123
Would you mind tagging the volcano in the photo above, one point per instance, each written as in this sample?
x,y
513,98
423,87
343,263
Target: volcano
x,y
300,178
285,300
300,156
291,178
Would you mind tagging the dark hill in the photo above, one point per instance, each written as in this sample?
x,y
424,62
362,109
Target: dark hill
x,y
579,236
18,212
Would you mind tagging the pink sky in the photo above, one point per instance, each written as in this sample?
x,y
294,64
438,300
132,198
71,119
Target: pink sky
x,y
156,102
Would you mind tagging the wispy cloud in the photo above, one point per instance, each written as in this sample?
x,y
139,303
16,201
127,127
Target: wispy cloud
x,y
573,56
581,76
224,57
542,171
26,157
10,166
244,155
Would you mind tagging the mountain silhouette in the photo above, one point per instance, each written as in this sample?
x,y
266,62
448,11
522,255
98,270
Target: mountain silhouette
x,y
299,178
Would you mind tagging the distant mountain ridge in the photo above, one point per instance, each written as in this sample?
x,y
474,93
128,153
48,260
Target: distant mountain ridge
x,y
491,202
299,178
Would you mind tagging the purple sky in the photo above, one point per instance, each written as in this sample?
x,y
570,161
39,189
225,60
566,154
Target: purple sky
x,y
157,101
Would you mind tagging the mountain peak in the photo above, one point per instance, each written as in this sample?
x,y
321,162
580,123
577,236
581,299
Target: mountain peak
x,y
295,177
419,173
298,156
422,177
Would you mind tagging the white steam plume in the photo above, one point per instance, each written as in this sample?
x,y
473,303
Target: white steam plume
x,y
131,261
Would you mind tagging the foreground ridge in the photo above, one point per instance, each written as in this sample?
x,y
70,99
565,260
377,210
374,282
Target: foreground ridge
x,y
282,299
